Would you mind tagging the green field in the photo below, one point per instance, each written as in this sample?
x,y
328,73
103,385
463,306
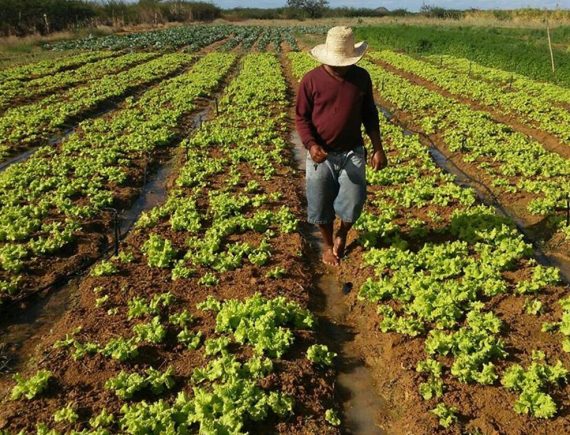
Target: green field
x,y
158,275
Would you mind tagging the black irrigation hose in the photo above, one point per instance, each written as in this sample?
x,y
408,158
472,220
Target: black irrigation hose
x,y
494,201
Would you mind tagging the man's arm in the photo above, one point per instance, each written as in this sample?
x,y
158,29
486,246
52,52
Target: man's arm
x,y
371,122
303,115
304,123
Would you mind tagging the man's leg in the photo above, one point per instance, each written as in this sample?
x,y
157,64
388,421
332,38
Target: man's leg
x,y
351,197
340,239
329,256
322,189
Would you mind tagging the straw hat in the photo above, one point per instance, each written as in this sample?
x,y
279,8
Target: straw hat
x,y
339,48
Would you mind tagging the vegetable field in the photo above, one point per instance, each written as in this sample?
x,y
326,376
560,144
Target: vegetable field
x,y
209,313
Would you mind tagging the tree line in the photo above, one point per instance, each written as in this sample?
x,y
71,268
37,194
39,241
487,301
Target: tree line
x,y
21,17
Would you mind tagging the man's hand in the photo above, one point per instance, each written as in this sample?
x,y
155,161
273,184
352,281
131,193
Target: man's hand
x,y
379,160
318,154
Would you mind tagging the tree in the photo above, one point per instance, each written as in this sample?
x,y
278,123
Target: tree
x,y
313,8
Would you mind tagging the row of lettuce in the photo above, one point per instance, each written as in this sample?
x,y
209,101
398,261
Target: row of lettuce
x,y
45,200
35,70
534,110
507,80
40,121
17,92
222,222
444,291
513,162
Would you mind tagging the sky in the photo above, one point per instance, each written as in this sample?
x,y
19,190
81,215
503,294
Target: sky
x,y
411,5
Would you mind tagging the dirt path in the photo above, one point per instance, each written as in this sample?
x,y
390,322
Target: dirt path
x,y
364,410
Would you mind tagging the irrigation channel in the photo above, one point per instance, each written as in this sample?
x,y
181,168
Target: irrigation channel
x,y
22,329
359,398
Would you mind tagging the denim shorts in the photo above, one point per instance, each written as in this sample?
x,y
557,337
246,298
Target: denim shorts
x,y
336,187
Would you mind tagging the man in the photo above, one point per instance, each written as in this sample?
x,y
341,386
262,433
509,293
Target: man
x,y
333,102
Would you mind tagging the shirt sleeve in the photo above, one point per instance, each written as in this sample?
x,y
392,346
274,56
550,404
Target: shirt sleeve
x,y
370,117
303,115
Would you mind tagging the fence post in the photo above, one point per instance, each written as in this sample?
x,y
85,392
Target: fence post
x,y
46,23
550,46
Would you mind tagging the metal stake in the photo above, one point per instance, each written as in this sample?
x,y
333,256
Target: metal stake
x,y
115,227
568,210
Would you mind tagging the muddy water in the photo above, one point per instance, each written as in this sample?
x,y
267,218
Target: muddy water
x,y
361,404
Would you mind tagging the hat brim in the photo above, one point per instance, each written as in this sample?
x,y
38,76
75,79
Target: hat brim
x,y
321,54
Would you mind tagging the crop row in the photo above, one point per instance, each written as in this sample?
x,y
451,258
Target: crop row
x,y
462,279
14,92
508,80
205,327
45,200
243,36
47,67
460,282
534,110
512,162
37,122
276,36
194,37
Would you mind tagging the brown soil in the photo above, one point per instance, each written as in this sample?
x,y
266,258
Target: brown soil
x,y
96,236
393,359
83,381
528,128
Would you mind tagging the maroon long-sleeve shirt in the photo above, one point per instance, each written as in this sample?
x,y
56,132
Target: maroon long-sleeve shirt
x,y
330,111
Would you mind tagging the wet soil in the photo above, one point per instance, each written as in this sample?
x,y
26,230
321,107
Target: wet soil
x,y
363,407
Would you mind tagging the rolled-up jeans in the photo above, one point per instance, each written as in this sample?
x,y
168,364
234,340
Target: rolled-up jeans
x,y
336,187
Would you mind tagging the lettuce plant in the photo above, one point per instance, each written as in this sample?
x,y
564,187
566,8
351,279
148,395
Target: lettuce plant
x,y
31,387
531,385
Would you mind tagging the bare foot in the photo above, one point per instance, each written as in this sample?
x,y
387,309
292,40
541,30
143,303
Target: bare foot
x,y
329,257
339,245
